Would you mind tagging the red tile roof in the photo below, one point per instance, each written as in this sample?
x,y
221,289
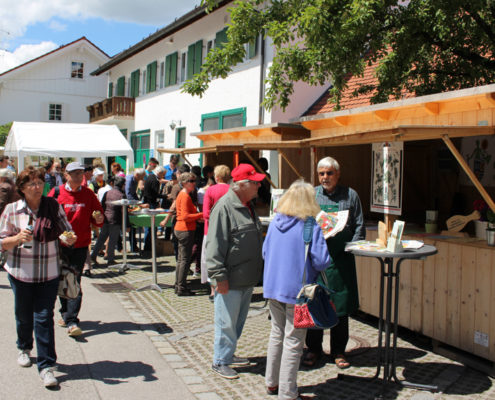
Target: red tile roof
x,y
322,105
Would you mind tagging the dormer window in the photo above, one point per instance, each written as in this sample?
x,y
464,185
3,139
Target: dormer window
x,y
77,70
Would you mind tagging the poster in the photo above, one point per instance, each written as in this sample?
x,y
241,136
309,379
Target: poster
x,y
478,151
387,176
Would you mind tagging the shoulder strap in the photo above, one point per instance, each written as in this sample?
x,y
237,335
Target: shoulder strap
x,y
307,237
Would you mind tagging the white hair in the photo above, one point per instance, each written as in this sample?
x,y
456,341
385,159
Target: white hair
x,y
6,173
236,186
328,162
159,169
139,171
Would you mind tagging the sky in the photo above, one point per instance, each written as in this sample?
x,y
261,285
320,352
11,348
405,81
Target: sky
x,y
30,28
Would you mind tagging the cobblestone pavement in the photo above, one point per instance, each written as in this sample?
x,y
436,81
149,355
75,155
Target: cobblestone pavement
x,y
183,334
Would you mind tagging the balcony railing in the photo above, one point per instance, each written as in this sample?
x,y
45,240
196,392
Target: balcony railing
x,y
113,107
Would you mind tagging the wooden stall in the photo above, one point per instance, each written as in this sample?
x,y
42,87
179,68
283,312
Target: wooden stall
x,y
448,296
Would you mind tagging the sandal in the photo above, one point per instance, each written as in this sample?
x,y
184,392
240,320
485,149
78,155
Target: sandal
x,y
310,359
341,362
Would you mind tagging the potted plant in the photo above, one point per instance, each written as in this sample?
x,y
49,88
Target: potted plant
x,y
490,230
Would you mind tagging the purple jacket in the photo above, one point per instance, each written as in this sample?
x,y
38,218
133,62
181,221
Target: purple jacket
x,y
283,251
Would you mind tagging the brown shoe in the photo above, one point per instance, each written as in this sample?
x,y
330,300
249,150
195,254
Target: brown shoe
x,y
61,323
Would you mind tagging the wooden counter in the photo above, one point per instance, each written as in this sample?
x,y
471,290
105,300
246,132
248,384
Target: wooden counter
x,y
449,297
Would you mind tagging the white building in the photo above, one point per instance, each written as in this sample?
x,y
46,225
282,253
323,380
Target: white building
x,y
151,74
56,86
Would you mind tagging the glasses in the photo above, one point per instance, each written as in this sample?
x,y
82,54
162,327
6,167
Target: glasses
x,y
192,181
327,173
35,184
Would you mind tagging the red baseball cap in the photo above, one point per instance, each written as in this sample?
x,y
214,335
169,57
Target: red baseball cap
x,y
246,171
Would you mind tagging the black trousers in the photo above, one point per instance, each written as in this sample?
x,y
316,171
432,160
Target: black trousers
x,y
339,336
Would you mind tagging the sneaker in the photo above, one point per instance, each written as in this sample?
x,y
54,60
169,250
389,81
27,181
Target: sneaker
x,y
239,361
272,390
74,330
61,323
23,360
48,378
225,371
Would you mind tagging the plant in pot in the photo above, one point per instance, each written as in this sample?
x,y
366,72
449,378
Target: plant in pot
x,y
490,230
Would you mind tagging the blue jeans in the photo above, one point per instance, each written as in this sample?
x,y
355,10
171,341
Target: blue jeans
x,y
34,304
231,311
69,308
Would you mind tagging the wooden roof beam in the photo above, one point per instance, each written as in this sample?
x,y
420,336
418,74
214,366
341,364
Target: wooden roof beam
x,y
342,121
491,98
382,115
432,108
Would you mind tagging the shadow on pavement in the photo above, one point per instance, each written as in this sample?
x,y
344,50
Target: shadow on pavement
x,y
92,328
109,372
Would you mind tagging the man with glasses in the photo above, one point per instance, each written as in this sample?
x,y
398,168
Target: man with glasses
x,y
234,263
82,209
171,168
341,273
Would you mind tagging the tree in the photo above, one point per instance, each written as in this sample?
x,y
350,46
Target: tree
x,y
422,46
4,132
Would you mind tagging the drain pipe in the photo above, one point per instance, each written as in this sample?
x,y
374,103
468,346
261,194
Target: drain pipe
x,y
261,112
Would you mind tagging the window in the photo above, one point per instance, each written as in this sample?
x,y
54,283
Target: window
x,y
77,70
162,74
150,77
144,83
135,83
183,67
121,86
251,49
160,137
194,58
55,112
180,138
223,119
209,46
171,69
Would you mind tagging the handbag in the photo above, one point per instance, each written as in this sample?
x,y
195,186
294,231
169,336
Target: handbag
x,y
68,287
313,309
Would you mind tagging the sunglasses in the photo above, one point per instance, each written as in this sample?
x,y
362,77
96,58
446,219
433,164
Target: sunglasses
x,y
327,173
192,181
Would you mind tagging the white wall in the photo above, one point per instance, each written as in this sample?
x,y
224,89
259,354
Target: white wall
x,y
25,94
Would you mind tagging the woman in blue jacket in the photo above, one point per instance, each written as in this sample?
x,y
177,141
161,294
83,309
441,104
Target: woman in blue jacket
x,y
284,251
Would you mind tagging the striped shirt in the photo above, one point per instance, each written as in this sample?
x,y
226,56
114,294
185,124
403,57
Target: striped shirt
x,y
40,263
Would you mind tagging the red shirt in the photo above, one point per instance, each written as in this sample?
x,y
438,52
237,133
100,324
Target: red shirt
x,y
78,206
212,195
187,213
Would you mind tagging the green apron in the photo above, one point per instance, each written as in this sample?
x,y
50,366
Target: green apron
x,y
341,273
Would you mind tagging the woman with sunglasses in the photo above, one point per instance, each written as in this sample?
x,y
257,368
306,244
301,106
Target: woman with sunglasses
x,y
185,227
29,232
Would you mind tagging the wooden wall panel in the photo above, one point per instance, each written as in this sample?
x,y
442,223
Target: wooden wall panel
x,y
467,300
429,294
440,290
453,294
483,296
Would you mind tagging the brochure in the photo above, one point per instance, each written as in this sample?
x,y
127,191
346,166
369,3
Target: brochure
x,y
332,223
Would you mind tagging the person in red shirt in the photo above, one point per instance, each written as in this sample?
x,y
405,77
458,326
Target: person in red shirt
x,y
82,209
185,227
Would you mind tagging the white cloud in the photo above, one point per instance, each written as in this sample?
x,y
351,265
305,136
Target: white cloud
x,y
16,16
23,54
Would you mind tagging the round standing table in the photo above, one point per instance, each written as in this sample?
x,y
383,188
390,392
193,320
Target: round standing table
x,y
124,203
389,277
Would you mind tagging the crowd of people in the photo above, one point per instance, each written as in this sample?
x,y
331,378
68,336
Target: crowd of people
x,y
212,221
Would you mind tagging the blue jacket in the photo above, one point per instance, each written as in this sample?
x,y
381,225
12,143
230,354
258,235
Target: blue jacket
x,y
283,251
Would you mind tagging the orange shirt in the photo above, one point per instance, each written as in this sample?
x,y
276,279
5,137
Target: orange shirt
x,y
187,213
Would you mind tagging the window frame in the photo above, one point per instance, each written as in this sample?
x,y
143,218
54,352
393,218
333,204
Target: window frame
x,y
77,73
54,112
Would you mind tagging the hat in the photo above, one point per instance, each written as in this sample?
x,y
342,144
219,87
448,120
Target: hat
x,y
74,166
246,171
98,171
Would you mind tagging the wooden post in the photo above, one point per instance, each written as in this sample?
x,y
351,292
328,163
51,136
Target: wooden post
x,y
186,160
469,173
258,167
312,157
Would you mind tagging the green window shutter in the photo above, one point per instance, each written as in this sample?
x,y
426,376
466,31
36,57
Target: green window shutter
x,y
110,89
171,69
135,83
198,56
221,38
121,86
151,77
190,60
252,48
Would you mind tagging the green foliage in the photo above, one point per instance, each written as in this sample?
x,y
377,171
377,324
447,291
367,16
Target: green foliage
x,y
423,46
4,132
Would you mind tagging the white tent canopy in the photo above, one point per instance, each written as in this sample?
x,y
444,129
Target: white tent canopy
x,y
66,140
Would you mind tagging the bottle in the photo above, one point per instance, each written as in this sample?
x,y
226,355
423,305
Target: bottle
x,y
29,227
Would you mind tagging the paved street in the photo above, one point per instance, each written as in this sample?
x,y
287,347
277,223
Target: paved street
x,y
147,344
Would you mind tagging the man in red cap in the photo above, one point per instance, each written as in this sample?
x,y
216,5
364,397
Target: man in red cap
x,y
234,263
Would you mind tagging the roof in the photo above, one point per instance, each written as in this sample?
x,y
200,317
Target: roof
x,y
348,101
178,24
55,51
